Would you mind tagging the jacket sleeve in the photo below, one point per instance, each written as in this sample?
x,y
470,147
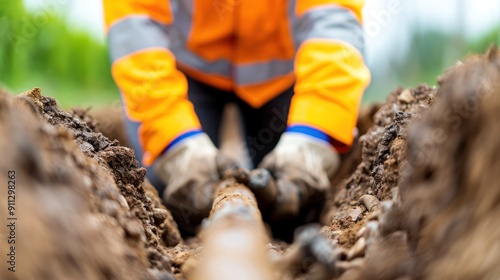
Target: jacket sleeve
x,y
331,75
153,91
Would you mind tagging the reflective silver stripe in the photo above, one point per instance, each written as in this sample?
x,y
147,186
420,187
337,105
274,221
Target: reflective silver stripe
x,y
135,33
179,33
255,73
330,21
243,74
292,20
183,19
260,72
218,67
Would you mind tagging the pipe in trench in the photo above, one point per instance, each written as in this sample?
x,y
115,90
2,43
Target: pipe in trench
x,y
234,238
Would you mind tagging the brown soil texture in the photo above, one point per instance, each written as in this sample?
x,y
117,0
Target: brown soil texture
x,y
81,199
109,120
382,150
450,193
437,177
429,155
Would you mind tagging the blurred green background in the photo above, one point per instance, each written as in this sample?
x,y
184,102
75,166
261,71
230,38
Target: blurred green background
x,y
43,47
430,53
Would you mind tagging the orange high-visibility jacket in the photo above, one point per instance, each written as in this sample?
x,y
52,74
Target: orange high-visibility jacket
x,y
256,48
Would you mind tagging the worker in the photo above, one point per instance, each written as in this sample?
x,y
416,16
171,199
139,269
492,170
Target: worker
x,y
293,68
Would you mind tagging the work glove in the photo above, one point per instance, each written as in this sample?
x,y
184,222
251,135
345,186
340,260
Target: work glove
x,y
302,166
189,171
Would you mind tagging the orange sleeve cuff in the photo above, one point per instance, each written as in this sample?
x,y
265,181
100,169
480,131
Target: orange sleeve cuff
x,y
331,79
154,93
157,134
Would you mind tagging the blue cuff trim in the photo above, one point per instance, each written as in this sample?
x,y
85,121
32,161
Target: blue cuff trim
x,y
182,137
307,130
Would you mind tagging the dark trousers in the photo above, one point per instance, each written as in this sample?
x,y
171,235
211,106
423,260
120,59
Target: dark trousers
x,y
262,127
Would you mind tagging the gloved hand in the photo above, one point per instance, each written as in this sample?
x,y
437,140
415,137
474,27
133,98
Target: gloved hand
x,y
189,171
303,166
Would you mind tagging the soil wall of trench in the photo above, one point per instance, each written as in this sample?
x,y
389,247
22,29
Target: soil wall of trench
x,y
427,160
